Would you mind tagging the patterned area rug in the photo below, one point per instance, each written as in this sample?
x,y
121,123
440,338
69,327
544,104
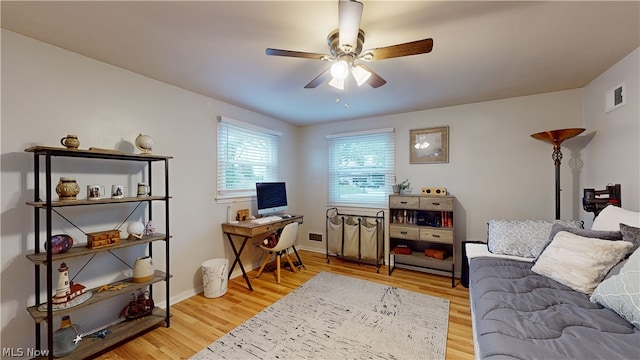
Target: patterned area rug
x,y
337,317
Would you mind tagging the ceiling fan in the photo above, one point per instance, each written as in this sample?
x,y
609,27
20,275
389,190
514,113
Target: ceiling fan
x,y
345,46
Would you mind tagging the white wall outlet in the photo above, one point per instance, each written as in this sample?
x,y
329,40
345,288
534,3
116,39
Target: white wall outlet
x,y
614,98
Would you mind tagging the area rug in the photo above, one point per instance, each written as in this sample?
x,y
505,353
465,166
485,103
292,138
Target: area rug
x,y
338,317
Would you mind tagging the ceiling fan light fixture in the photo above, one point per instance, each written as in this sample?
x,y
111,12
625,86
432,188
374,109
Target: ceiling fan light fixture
x,y
337,83
340,70
360,74
350,13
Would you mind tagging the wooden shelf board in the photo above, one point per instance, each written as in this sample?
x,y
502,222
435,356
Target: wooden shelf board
x,y
420,256
95,153
449,228
40,316
81,250
43,204
119,332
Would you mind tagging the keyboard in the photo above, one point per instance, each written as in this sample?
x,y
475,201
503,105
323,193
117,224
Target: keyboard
x,y
266,219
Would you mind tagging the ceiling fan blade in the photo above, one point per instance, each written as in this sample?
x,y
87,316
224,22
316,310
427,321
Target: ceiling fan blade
x,y
349,15
375,81
319,79
411,48
297,54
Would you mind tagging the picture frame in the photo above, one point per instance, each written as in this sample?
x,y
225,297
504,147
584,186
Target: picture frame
x,y
429,146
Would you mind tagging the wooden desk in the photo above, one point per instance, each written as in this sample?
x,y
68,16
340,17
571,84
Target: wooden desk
x,y
246,230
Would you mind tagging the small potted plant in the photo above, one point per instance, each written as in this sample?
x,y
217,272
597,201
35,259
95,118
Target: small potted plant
x,y
400,188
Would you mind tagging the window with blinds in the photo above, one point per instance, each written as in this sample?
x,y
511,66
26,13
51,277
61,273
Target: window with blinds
x,y
246,154
361,168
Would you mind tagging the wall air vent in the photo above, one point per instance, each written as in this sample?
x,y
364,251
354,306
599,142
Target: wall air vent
x,y
614,98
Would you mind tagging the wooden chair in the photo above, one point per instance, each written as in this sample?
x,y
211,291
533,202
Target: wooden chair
x,y
287,239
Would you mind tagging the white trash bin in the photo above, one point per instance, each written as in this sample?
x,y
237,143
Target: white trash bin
x,y
215,277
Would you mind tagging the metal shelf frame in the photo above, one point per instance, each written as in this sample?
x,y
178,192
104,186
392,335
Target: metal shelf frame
x,y
48,204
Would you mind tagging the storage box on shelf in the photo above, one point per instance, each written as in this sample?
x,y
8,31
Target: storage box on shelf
x,y
120,331
421,235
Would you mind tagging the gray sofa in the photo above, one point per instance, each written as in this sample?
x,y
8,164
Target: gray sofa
x,y
536,307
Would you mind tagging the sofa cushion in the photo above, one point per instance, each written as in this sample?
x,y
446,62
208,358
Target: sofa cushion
x,y
518,314
525,238
621,293
579,262
611,217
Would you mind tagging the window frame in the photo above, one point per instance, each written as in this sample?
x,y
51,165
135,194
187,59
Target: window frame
x,y
223,148
366,178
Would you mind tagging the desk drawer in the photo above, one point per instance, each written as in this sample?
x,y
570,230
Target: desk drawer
x,y
404,232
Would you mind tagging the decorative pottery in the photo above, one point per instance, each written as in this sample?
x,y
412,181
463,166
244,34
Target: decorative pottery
x,y
136,230
70,141
66,339
67,189
144,143
95,192
144,189
143,270
60,243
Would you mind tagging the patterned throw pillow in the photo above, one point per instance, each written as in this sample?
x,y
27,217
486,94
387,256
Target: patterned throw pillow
x,y
621,293
525,238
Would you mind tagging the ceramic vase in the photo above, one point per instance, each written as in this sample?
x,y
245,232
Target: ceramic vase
x,y
67,189
143,270
64,338
70,141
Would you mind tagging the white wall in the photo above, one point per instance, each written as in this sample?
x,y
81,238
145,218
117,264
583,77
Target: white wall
x,y
495,169
613,153
48,92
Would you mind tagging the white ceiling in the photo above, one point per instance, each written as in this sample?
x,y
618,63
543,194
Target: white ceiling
x,y
482,50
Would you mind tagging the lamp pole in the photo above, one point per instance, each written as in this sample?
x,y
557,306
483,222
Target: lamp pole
x,y
556,137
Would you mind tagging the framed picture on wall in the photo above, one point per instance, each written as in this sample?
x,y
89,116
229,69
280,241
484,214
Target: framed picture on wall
x,y
429,146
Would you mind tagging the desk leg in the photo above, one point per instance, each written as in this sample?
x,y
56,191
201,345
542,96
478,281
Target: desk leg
x,y
237,260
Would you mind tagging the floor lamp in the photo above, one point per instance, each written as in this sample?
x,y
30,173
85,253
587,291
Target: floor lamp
x,y
556,137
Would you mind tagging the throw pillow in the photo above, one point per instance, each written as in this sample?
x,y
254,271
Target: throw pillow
x,y
611,217
525,238
621,293
603,235
579,262
631,234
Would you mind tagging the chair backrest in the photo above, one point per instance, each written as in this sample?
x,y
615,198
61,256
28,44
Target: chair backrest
x,y
287,237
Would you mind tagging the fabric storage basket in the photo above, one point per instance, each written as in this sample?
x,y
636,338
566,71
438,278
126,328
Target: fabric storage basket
x,y
334,235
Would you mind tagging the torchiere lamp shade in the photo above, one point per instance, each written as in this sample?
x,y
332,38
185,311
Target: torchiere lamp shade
x,y
556,137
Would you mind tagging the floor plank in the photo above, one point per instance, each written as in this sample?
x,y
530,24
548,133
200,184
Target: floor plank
x,y
196,322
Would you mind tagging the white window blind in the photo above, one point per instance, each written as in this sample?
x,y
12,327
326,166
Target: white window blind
x,y
246,154
361,168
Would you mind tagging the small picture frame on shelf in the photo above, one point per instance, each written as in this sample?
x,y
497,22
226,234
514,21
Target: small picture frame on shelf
x,y
429,146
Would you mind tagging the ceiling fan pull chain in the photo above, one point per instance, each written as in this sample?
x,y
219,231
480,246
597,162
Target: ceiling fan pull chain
x,y
346,95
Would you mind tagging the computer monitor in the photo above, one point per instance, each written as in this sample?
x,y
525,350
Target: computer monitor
x,y
272,197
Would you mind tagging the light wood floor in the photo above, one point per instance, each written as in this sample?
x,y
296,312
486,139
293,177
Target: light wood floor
x,y
198,321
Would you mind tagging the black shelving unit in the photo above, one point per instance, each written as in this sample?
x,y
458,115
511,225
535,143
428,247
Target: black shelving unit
x,y
119,331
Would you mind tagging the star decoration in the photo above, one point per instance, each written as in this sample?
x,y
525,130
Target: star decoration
x,y
77,339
